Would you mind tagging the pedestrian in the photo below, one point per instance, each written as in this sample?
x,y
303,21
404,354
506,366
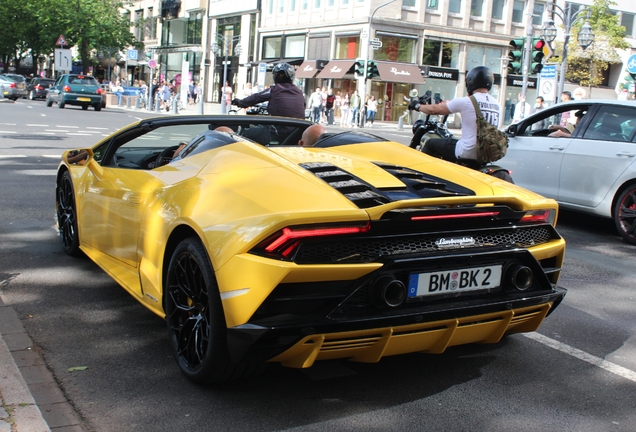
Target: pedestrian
x,y
118,91
191,95
329,106
522,109
197,93
247,90
355,108
539,106
323,93
315,102
226,99
372,108
345,121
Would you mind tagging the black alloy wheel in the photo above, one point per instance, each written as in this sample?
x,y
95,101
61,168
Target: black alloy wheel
x,y
625,214
60,103
67,216
49,103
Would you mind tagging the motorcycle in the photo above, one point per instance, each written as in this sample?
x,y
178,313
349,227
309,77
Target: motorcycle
x,y
426,129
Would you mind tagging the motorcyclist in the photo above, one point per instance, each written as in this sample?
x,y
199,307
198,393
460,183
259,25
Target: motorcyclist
x,y
479,81
284,98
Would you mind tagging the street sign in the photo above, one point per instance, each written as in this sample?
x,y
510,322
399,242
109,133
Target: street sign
x,y
631,64
61,41
152,63
262,70
375,42
63,59
132,54
549,71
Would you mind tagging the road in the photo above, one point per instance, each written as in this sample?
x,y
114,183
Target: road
x,y
577,373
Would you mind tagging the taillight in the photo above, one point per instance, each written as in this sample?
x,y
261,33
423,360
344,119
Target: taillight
x,y
12,85
539,216
66,88
288,239
456,216
100,91
38,87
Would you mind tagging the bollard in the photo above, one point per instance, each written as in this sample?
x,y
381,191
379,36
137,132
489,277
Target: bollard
x,y
200,103
158,104
175,109
127,101
2,92
401,123
137,103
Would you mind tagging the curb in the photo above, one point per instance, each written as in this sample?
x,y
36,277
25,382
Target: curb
x,y
31,398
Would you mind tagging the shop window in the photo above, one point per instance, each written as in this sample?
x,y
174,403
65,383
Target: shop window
x,y
517,11
347,47
476,7
272,47
399,49
455,6
294,46
627,21
497,9
438,53
483,56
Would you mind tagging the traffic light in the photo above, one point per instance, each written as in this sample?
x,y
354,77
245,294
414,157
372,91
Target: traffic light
x,y
372,69
359,66
515,56
537,55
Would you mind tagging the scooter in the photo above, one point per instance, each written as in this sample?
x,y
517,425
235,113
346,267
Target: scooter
x,y
425,129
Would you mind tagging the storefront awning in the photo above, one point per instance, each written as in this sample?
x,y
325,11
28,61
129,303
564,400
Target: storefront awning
x,y
307,69
336,69
400,72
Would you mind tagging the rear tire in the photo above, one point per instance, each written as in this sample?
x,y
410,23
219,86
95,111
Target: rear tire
x,y
31,95
84,107
194,314
98,107
49,103
61,104
625,214
503,175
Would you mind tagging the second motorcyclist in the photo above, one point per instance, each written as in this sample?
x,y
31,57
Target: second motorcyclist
x,y
479,81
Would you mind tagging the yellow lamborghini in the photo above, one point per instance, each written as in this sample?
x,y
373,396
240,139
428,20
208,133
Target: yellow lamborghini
x,y
260,251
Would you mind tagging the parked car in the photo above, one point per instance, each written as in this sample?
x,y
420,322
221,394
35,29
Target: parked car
x,y
355,248
38,87
591,170
13,88
73,89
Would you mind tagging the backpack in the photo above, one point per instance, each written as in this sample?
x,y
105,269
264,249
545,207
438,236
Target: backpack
x,y
492,143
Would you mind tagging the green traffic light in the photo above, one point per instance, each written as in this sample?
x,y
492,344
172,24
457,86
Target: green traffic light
x,y
517,43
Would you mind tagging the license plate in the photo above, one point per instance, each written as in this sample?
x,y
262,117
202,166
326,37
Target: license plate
x,y
454,281
83,99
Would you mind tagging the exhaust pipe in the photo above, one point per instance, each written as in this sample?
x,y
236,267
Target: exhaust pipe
x,y
520,277
389,291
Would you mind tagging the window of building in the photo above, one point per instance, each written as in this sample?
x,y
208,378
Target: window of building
x,y
627,21
330,3
305,4
347,47
438,53
432,4
150,31
537,14
477,55
139,24
318,48
408,3
517,11
292,5
194,31
281,6
270,7
399,49
294,46
272,47
476,7
317,4
455,6
497,9
574,6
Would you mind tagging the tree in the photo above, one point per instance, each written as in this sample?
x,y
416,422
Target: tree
x,y
586,67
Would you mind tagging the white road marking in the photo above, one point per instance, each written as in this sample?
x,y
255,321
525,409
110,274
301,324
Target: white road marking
x,y
70,127
39,125
50,156
89,131
79,134
56,130
100,128
8,124
11,156
582,355
1,131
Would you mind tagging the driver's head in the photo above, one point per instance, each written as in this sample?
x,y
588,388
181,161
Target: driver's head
x,y
479,77
311,135
224,129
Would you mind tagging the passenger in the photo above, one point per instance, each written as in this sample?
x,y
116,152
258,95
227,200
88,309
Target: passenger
x,y
566,131
311,135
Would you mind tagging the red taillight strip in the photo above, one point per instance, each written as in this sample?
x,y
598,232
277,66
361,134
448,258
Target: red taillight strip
x,y
454,216
291,235
536,217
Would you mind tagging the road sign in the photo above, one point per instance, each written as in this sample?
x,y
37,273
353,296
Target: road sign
x,y
375,42
549,71
61,41
63,59
631,64
152,63
132,54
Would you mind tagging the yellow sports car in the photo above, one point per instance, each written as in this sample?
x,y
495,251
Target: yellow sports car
x,y
355,248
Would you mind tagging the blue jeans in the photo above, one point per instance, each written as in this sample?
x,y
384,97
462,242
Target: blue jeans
x,y
119,97
371,116
354,116
315,113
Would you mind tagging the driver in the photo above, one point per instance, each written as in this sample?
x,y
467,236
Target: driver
x,y
284,98
479,81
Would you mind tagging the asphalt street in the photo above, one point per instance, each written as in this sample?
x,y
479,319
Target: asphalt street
x,y
577,373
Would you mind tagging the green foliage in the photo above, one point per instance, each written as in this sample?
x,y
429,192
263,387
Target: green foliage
x,y
31,27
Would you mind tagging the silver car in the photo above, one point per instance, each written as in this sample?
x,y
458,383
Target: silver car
x,y
12,87
581,153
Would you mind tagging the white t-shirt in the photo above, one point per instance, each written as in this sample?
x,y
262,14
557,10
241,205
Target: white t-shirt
x,y
490,110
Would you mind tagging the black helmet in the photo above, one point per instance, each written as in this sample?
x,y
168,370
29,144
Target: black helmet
x,y
283,73
479,77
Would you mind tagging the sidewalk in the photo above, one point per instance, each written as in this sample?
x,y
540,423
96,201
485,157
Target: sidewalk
x,y
31,399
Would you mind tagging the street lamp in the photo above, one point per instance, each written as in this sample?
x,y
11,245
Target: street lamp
x,y
585,36
108,50
223,47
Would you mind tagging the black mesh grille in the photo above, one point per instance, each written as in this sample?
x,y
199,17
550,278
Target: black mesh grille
x,y
359,250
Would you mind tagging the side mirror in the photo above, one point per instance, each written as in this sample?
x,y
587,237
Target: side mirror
x,y
78,157
512,130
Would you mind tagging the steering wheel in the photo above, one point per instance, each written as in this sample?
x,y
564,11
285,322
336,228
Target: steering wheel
x,y
165,156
